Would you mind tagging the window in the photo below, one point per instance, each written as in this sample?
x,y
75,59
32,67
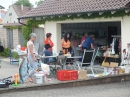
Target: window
x,y
10,14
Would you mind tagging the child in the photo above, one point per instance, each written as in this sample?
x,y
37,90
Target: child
x,y
48,53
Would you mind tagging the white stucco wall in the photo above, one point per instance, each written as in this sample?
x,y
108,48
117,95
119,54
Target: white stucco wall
x,y
55,29
10,19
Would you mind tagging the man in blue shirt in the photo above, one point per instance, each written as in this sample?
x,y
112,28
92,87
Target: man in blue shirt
x,y
89,42
48,53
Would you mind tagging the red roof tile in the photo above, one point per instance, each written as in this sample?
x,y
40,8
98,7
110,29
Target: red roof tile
x,y
55,7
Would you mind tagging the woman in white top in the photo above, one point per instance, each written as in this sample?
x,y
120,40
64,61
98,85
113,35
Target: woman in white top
x,y
31,56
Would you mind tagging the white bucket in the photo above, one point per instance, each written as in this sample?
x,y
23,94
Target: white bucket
x,y
39,78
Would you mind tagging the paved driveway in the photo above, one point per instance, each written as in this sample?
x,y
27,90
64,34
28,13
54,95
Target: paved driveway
x,y
7,70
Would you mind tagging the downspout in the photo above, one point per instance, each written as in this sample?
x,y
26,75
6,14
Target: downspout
x,y
21,23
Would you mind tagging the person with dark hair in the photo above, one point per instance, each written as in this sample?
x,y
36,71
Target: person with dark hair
x,y
66,43
89,42
47,52
49,41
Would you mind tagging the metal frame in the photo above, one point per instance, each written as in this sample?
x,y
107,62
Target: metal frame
x,y
95,51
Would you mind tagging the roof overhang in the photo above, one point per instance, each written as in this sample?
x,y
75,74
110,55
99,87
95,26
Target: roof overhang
x,y
102,11
1,7
11,24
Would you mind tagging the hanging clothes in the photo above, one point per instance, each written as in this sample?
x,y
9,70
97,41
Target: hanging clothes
x,y
113,43
119,46
116,43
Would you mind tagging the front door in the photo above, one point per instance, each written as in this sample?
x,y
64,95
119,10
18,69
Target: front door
x,y
10,38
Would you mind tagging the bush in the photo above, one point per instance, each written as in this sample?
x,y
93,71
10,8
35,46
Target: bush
x,y
15,55
5,53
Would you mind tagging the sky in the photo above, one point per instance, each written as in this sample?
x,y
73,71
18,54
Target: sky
x,y
7,3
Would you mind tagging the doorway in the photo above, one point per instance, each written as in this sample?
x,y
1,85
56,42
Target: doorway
x,y
10,38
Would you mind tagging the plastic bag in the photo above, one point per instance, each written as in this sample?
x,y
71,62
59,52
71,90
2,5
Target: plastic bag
x,y
45,68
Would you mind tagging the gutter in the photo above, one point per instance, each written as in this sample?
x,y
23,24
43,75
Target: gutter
x,y
128,8
21,22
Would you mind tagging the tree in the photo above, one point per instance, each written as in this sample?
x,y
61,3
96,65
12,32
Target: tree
x,y
24,2
39,2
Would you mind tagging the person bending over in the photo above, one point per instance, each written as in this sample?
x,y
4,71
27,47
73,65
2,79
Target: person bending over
x,y
47,52
89,42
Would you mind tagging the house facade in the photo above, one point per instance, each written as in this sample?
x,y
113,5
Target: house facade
x,y
108,18
12,37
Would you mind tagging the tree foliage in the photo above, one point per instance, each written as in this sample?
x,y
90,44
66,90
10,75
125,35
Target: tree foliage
x,y
24,2
39,2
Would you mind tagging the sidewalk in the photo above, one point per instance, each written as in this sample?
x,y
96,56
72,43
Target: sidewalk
x,y
5,59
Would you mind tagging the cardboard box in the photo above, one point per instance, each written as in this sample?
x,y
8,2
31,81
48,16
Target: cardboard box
x,y
111,65
82,74
121,71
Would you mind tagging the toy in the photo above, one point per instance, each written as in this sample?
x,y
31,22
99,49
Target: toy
x,y
16,80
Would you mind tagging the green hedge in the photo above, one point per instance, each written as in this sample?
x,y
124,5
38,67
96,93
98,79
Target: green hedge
x,y
15,55
5,53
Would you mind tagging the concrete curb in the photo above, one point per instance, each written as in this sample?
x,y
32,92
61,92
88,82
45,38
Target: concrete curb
x,y
87,82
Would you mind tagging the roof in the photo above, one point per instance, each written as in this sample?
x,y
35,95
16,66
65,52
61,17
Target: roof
x,y
19,10
1,7
11,24
60,7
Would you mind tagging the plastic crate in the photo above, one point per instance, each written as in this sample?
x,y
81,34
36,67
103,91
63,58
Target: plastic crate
x,y
66,75
23,48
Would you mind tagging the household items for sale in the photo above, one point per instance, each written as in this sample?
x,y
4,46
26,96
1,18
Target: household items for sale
x,y
23,69
16,80
38,78
46,71
5,82
116,44
121,70
110,70
82,74
66,75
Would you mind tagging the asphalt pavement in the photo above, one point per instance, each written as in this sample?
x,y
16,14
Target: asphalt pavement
x,y
106,90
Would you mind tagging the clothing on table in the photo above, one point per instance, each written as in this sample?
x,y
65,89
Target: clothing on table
x,y
49,41
28,47
87,43
48,60
66,46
